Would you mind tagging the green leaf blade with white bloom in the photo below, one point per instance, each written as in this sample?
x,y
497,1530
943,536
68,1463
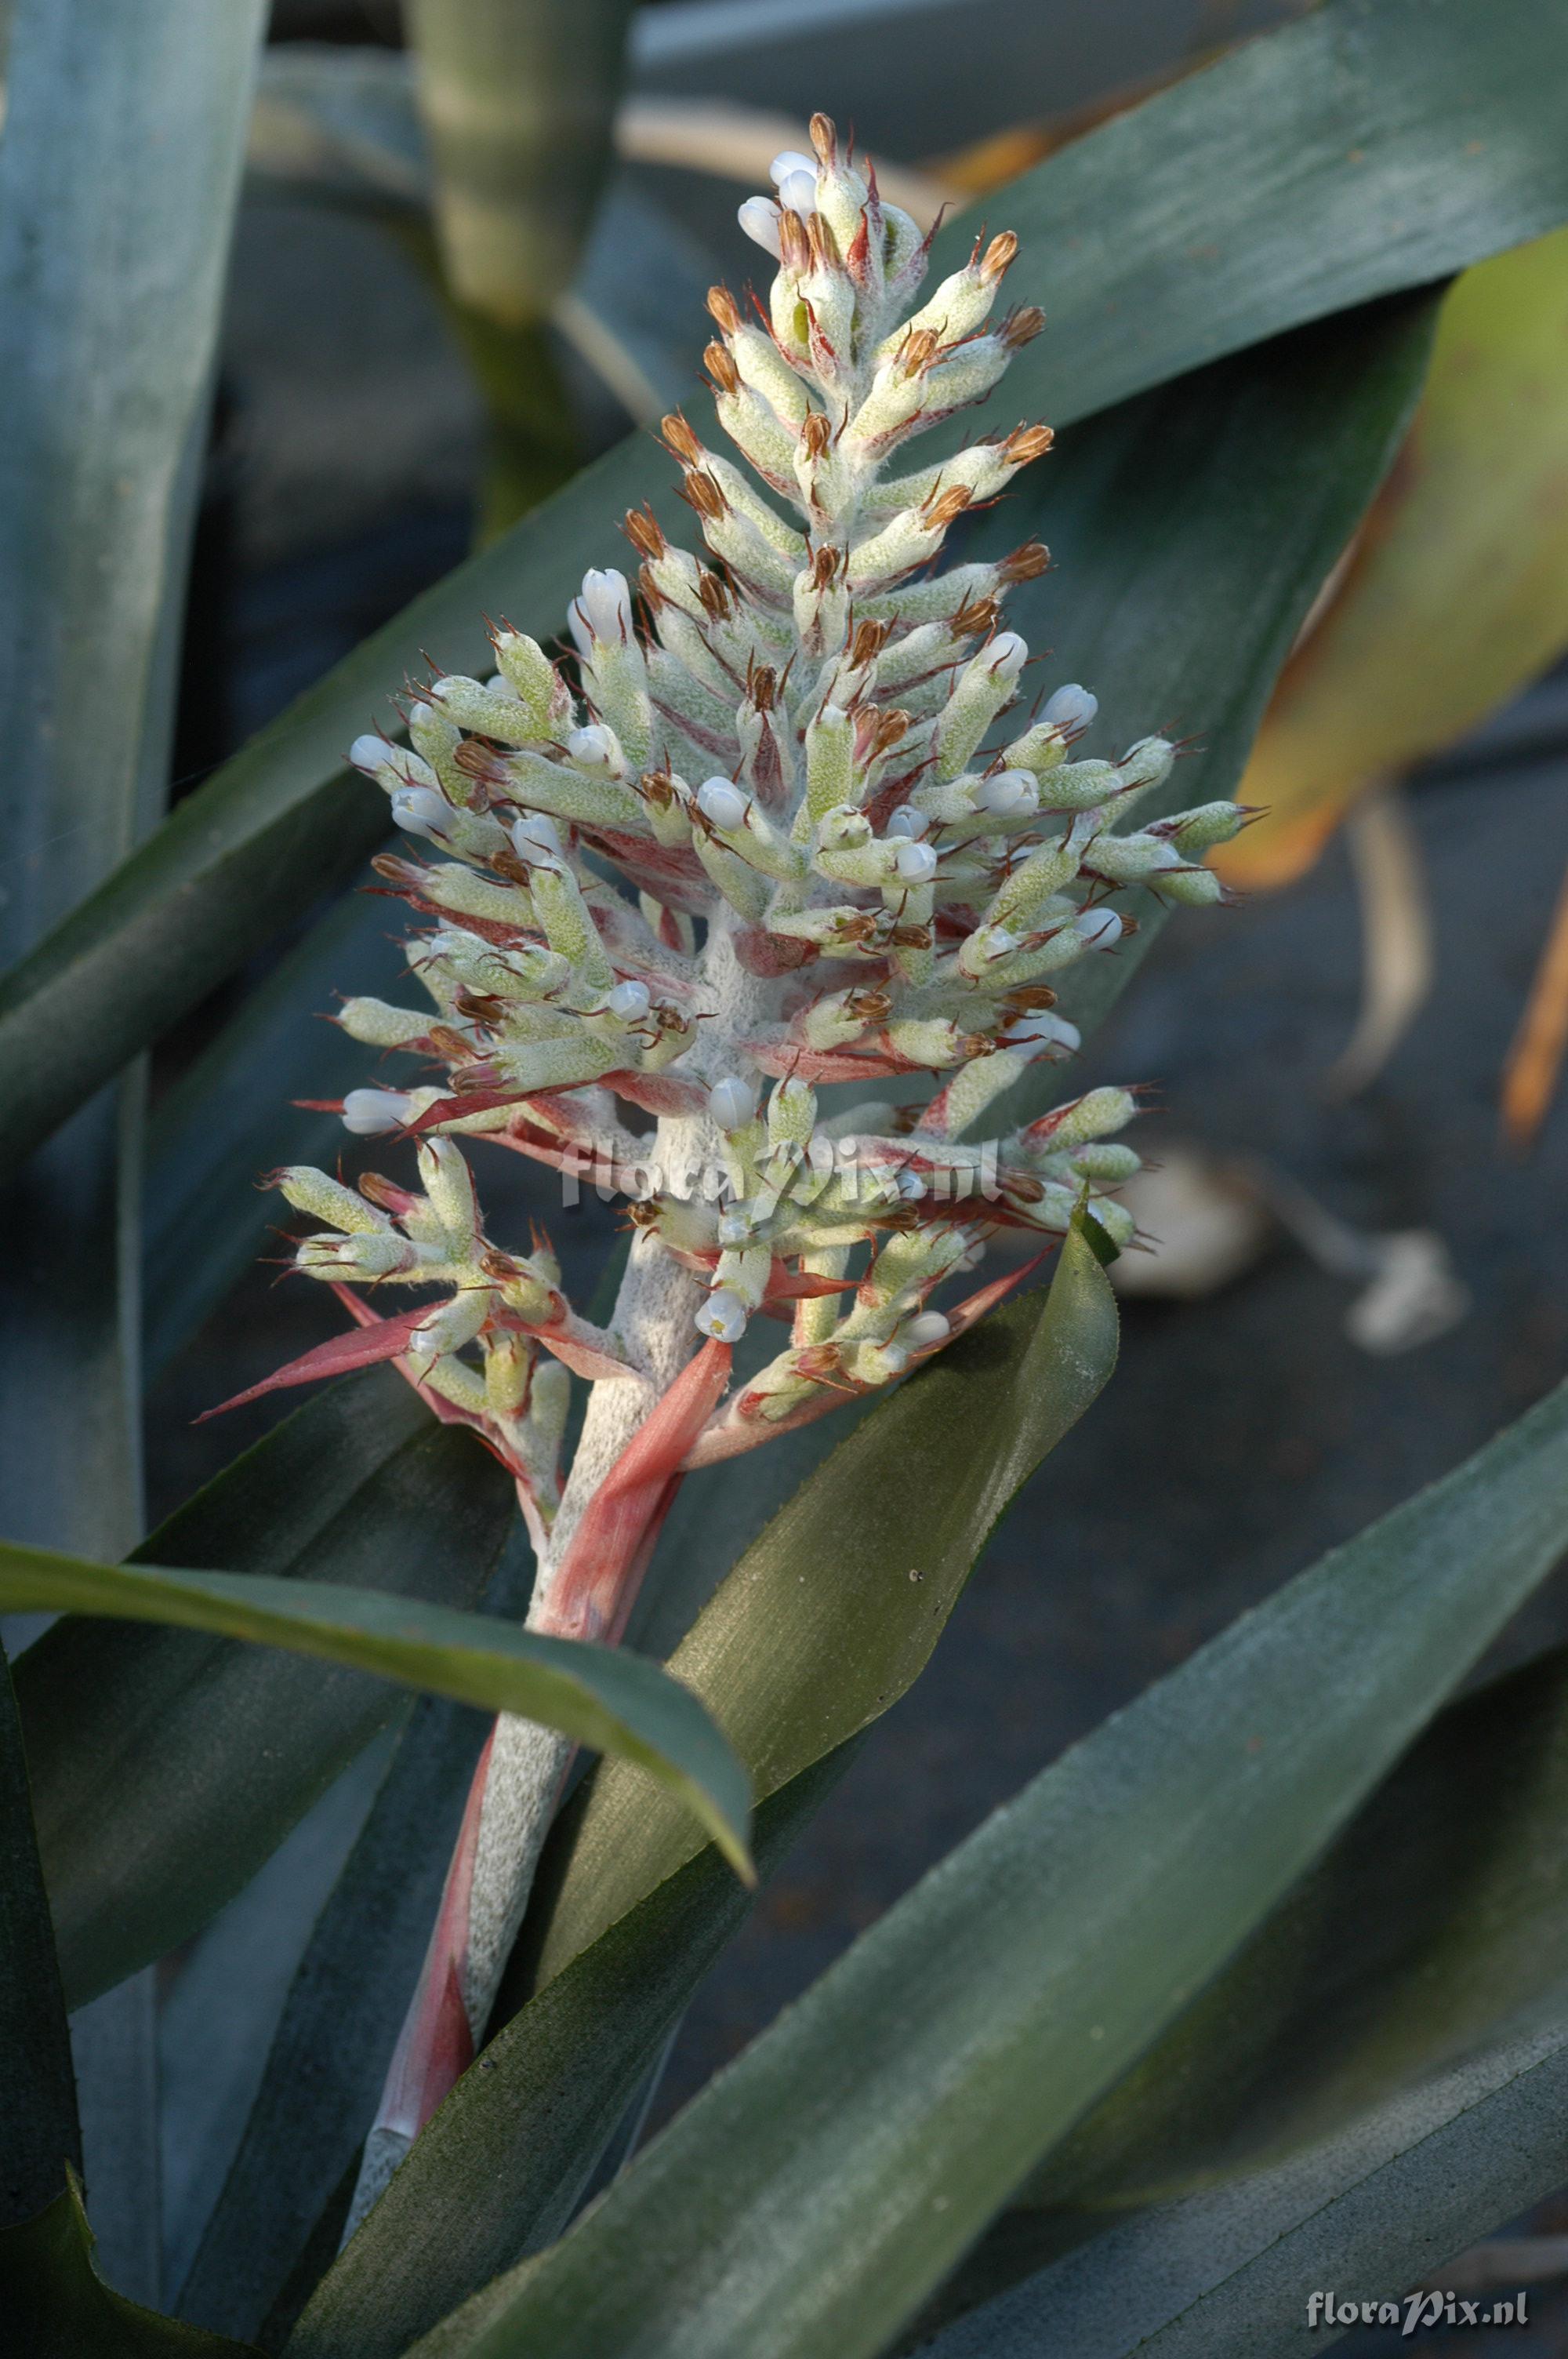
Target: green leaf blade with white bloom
x,y
616,1703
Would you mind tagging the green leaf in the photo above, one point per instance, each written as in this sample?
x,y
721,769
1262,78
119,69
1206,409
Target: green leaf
x,y
58,2307
228,1120
38,2132
1421,135
329,2056
616,1703
823,1623
1436,1930
1379,2207
166,1765
888,2115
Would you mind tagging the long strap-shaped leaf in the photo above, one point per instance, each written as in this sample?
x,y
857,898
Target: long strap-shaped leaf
x,y
1378,145
38,2132
1288,2102
614,1702
814,2194
168,1764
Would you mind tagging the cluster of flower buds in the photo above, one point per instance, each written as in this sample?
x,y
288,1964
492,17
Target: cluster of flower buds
x,y
784,749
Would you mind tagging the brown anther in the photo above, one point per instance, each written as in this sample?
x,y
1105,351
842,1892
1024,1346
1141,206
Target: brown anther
x,y
477,759
998,256
825,139
642,1212
474,1078
721,367
870,1006
918,350
716,600
480,1006
1025,564
451,1045
976,1044
1029,442
700,492
723,308
653,596
892,725
1029,997
1021,327
911,938
655,786
947,509
868,643
1024,1187
495,1264
795,246
516,870
817,434
819,1362
824,566
977,618
679,437
644,533
762,686
903,1120
397,871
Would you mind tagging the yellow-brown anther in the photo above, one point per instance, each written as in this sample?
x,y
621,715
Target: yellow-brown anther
x,y
816,433
998,257
679,438
1026,563
948,507
867,644
1029,442
918,350
644,533
795,246
825,137
1021,327
721,367
700,492
723,308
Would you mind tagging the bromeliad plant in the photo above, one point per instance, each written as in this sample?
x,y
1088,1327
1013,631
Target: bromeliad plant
x,y
835,883
742,849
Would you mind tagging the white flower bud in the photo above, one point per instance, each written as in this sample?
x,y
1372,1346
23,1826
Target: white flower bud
x,y
419,811
594,745
788,160
371,1113
930,1328
722,802
603,610
911,1186
1099,929
1006,655
1007,795
629,1000
499,685
1072,707
722,1316
915,863
797,191
759,217
534,834
420,716
368,753
907,820
1047,1030
732,1104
